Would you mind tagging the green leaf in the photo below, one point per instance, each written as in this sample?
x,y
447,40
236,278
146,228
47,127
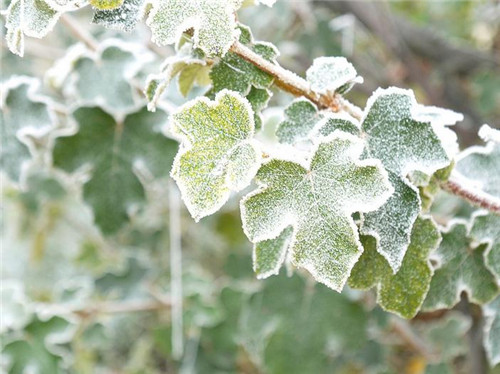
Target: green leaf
x,y
317,200
303,121
479,166
33,18
491,337
258,99
218,154
125,17
213,22
269,255
25,116
113,149
332,74
486,229
104,78
404,292
106,4
403,143
189,63
460,269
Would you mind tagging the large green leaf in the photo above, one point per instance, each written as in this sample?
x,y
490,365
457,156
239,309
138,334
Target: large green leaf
x,y
218,154
396,135
112,149
33,18
461,268
25,116
213,22
317,200
404,292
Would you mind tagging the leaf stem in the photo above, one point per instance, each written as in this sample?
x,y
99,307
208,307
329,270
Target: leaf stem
x,y
454,187
79,32
292,83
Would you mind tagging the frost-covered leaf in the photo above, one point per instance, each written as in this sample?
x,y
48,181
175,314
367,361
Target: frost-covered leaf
x,y
33,18
492,331
461,268
189,63
236,74
403,144
106,4
24,115
103,78
479,166
213,22
269,255
125,17
317,200
332,74
301,116
218,154
486,229
404,292
112,149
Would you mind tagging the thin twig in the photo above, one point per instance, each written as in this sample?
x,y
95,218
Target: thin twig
x,y
120,307
456,188
403,330
291,82
79,32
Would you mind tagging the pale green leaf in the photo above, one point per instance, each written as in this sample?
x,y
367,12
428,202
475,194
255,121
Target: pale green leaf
x,y
125,17
479,166
492,331
460,269
269,255
218,154
33,18
486,229
25,116
332,74
403,144
404,292
112,149
213,22
105,77
317,200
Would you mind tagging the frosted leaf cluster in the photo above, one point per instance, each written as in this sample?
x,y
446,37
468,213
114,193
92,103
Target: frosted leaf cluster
x,y
460,268
218,153
404,292
317,200
213,22
403,143
328,75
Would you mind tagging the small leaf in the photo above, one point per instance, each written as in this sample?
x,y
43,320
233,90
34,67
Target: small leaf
x,y
479,166
218,154
106,4
301,116
317,200
491,337
486,229
461,268
112,149
24,116
33,18
213,22
404,292
125,17
332,74
403,144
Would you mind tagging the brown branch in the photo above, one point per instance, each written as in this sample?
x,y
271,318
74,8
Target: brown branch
x,y
292,83
121,307
456,188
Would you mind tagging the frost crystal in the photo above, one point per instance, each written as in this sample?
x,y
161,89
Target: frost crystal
x,y
332,74
317,200
213,22
33,18
460,268
218,154
403,144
